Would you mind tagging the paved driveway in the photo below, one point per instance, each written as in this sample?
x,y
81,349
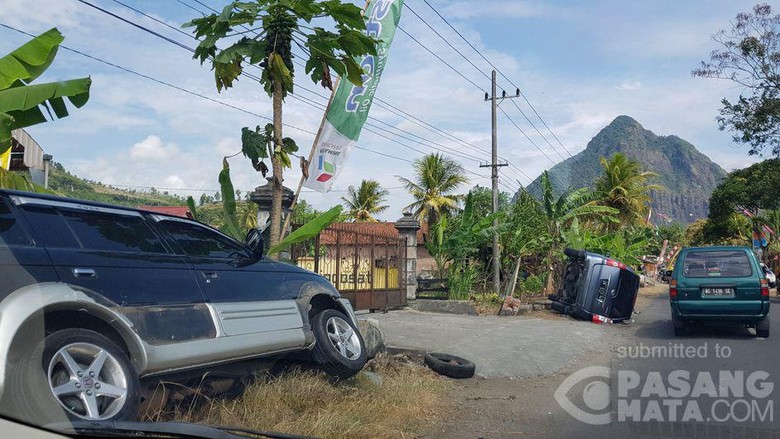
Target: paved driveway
x,y
500,346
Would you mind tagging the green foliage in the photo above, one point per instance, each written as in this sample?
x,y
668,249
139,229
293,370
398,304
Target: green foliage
x,y
752,189
365,201
308,230
21,104
623,186
532,284
435,178
749,55
461,279
193,209
256,144
231,226
283,23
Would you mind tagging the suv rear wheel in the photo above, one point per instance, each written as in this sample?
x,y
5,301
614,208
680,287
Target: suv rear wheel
x,y
79,372
339,347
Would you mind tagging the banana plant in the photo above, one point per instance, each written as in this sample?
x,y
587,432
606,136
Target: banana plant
x,y
23,105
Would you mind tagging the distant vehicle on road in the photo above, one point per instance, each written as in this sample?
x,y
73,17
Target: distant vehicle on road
x,y
723,285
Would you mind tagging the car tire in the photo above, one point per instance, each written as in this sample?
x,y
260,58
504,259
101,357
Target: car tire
x,y
450,365
339,347
93,374
681,329
762,328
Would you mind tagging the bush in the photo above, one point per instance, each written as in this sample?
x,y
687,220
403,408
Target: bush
x,y
461,281
533,284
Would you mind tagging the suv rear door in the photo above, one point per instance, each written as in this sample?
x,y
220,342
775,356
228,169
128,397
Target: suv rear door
x,y
718,281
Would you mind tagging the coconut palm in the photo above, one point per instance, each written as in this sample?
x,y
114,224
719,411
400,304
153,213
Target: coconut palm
x,y
435,178
365,201
561,212
624,186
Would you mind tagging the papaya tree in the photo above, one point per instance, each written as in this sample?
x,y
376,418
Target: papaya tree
x,y
280,24
23,104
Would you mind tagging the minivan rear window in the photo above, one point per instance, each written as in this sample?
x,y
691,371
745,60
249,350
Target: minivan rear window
x,y
720,263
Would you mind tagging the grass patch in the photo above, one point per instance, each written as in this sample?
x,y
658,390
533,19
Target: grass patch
x,y
308,403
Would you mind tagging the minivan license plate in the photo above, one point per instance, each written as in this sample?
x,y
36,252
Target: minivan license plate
x,y
717,292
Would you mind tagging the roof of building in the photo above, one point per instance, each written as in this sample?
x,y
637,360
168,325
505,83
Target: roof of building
x,y
182,211
378,229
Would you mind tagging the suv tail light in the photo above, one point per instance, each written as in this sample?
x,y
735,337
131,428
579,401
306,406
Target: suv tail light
x,y
673,290
615,263
764,288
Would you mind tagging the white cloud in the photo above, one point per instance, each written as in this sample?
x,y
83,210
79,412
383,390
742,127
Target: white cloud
x,y
496,9
152,148
629,85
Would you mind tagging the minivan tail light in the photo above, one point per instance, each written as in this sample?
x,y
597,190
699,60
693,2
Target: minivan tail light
x,y
673,290
764,288
615,263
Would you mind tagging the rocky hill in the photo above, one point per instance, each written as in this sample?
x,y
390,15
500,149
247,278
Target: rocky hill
x,y
688,175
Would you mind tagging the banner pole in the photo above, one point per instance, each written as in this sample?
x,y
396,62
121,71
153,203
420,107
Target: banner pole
x,y
313,148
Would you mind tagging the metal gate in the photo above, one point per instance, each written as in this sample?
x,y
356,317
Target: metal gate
x,y
364,263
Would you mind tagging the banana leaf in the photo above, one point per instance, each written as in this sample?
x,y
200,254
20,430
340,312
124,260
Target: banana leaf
x,y
308,230
229,202
30,60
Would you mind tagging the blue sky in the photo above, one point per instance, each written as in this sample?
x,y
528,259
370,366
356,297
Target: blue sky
x,y
580,64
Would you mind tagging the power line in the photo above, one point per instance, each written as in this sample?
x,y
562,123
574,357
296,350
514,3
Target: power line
x,y
526,135
394,109
537,130
190,92
499,72
446,40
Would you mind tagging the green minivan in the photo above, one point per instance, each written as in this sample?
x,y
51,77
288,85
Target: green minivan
x,y
719,285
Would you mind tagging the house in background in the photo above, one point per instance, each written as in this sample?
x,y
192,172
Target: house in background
x,y
26,155
180,211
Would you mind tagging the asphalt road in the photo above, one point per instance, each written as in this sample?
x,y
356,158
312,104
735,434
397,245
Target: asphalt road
x,y
636,380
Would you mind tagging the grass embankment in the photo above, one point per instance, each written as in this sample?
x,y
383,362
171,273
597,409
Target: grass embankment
x,y
307,403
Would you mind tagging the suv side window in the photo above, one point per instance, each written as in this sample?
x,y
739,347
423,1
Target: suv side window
x,y
50,229
111,232
11,232
196,240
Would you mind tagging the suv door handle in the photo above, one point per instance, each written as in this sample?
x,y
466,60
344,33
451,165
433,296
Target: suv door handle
x,y
84,273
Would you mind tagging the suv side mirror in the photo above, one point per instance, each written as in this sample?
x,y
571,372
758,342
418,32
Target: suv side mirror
x,y
254,239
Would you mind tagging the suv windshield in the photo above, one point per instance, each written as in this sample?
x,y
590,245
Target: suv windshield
x,y
716,264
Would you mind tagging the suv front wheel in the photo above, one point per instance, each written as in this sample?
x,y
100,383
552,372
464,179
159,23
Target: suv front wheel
x,y
339,347
77,371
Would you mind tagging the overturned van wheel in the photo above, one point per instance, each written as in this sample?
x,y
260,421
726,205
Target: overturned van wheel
x,y
450,365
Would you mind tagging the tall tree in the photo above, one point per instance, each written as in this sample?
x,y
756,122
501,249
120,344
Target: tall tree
x,y
365,201
624,187
749,55
435,178
280,23
23,104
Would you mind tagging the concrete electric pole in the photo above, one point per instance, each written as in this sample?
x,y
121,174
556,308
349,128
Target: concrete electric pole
x,y
494,165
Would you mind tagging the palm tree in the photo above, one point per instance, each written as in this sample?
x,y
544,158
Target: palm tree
x,y
559,214
435,178
623,186
365,201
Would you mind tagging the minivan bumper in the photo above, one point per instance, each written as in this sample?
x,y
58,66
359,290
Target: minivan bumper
x,y
744,311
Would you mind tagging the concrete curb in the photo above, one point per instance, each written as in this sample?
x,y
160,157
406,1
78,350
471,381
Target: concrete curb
x,y
443,306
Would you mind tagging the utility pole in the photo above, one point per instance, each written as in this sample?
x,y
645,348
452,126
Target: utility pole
x,y
494,165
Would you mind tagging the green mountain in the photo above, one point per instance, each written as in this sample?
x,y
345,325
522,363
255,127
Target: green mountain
x,y
688,175
69,185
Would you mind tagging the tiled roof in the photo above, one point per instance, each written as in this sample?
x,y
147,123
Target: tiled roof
x,y
181,211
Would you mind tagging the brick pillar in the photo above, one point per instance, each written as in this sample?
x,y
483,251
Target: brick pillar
x,y
407,228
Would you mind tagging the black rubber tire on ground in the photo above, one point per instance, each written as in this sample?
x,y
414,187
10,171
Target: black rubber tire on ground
x,y
450,365
327,355
28,384
762,328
